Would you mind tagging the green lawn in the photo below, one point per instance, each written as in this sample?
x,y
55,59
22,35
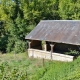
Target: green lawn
x,y
20,67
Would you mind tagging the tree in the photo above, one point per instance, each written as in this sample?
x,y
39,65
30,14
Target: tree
x,y
37,10
18,18
69,9
3,38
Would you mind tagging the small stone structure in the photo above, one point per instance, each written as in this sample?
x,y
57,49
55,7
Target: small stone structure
x,y
36,50
59,36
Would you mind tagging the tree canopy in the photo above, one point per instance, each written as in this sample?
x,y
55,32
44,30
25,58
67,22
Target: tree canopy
x,y
19,17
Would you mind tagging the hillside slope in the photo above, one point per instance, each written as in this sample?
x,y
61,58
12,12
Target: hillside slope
x,y
63,71
20,67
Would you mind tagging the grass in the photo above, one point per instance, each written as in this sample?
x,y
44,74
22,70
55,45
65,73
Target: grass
x,y
20,67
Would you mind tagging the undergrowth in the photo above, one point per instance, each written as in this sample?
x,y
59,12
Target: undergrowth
x,y
20,67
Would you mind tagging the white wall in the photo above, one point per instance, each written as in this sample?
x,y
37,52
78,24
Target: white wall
x,y
47,55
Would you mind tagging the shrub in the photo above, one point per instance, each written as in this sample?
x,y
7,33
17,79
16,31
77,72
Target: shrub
x,y
20,46
16,46
73,53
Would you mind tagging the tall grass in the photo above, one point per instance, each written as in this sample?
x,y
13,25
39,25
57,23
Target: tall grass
x,y
63,71
20,67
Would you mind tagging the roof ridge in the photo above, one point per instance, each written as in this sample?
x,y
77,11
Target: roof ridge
x,y
59,20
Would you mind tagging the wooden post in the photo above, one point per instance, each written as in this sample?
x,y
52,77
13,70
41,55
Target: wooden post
x,y
52,45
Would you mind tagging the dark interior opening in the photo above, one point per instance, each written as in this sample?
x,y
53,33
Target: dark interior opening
x,y
58,47
35,44
62,48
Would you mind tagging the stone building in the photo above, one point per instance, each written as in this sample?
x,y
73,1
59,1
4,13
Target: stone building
x,y
50,39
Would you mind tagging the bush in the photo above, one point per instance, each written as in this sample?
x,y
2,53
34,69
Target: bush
x,y
20,46
16,45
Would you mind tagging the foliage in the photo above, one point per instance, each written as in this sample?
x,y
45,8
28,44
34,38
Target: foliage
x,y
69,9
18,17
73,52
20,67
3,37
20,46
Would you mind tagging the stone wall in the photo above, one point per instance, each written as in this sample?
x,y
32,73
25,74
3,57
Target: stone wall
x,y
47,55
